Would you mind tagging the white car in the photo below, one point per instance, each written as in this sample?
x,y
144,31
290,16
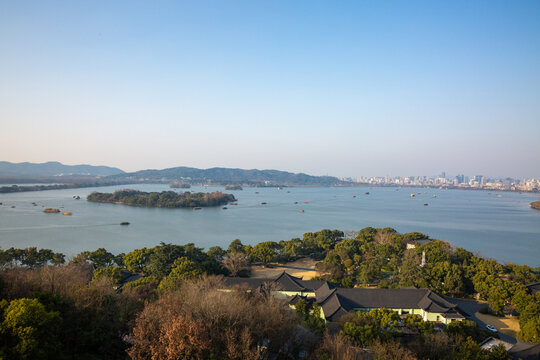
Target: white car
x,y
491,328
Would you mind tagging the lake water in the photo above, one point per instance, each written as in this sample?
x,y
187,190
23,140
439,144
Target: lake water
x,y
502,227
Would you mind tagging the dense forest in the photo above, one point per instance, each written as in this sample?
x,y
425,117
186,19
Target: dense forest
x,y
166,302
164,199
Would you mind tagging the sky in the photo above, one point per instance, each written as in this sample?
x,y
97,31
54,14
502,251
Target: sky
x,y
344,88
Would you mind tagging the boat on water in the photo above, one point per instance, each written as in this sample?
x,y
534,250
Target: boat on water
x,y
296,202
426,204
412,195
354,196
434,196
256,192
288,191
50,210
197,208
233,203
300,211
263,203
305,202
367,192
224,208
124,223
67,213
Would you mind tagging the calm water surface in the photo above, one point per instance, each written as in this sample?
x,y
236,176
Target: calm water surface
x,y
502,227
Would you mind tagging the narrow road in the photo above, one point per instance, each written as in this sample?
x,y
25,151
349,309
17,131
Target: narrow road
x,y
471,307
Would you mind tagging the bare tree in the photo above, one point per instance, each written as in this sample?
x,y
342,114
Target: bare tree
x,y
384,237
339,347
235,262
199,321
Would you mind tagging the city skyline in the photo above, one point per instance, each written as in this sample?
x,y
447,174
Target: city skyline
x,y
346,89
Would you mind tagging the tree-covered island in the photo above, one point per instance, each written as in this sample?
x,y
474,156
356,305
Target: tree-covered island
x,y
164,199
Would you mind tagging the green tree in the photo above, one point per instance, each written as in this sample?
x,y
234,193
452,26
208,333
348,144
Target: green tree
x,y
162,259
28,330
529,320
183,269
216,252
416,323
99,258
470,350
465,328
264,252
113,273
366,327
58,259
137,260
235,246
410,272
499,353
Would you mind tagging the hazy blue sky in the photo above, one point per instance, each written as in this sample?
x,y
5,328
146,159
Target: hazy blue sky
x,y
346,88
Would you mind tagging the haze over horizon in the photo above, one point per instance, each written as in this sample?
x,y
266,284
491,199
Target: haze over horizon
x,y
344,89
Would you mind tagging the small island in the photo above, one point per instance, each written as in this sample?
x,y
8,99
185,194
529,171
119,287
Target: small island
x,y
536,205
164,199
233,187
179,185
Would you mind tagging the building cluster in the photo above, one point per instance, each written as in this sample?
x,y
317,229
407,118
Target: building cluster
x,y
459,181
335,301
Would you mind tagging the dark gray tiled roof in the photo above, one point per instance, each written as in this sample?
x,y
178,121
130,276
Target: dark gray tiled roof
x,y
287,282
292,300
312,285
388,298
337,300
525,351
283,281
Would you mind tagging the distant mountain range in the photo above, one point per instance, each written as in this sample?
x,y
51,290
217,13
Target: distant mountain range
x,y
225,176
52,169
83,174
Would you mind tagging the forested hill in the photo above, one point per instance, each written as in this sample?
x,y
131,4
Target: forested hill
x,y
229,176
52,168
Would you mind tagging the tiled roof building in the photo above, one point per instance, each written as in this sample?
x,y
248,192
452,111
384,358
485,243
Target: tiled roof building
x,y
336,302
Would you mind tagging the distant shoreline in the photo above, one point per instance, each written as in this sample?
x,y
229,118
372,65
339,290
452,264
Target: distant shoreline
x,y
437,187
56,186
26,188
